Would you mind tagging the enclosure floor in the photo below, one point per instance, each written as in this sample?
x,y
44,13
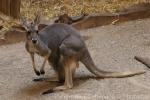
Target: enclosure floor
x,y
112,48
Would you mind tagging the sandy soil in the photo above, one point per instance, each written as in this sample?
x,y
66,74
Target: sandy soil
x,y
112,47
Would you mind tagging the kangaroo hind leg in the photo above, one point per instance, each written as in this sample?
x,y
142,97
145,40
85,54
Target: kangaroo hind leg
x,y
69,66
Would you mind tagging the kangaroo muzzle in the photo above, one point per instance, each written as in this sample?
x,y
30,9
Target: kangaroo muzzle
x,y
34,41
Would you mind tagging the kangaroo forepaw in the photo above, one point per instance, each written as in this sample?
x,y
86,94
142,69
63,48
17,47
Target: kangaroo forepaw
x,y
42,72
37,73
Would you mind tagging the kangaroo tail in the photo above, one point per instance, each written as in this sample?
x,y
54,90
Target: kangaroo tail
x,y
88,62
143,60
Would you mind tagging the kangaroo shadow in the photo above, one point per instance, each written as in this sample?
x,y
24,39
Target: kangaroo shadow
x,y
42,84
37,87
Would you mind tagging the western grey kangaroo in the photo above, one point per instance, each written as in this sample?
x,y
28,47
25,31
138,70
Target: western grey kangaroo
x,y
69,20
63,47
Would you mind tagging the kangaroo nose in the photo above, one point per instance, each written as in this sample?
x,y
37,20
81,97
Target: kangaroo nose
x,y
34,41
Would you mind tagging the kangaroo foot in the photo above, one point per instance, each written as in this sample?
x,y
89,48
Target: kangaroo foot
x,y
56,89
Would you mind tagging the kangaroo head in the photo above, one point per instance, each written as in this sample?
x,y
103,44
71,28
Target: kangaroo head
x,y
64,19
31,29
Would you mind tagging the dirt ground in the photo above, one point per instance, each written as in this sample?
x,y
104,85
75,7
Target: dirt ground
x,y
112,47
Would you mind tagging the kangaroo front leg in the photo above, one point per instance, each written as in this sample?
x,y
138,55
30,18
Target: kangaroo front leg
x,y
33,64
43,65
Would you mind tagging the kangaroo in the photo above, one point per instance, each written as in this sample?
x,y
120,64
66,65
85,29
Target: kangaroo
x,y
63,47
69,20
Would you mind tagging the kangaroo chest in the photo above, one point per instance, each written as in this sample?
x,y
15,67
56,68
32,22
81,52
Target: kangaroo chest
x,y
31,48
39,49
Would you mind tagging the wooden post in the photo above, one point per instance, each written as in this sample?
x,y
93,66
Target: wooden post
x,y
10,7
15,8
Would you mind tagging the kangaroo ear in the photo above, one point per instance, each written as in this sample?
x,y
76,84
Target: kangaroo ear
x,y
24,23
37,19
